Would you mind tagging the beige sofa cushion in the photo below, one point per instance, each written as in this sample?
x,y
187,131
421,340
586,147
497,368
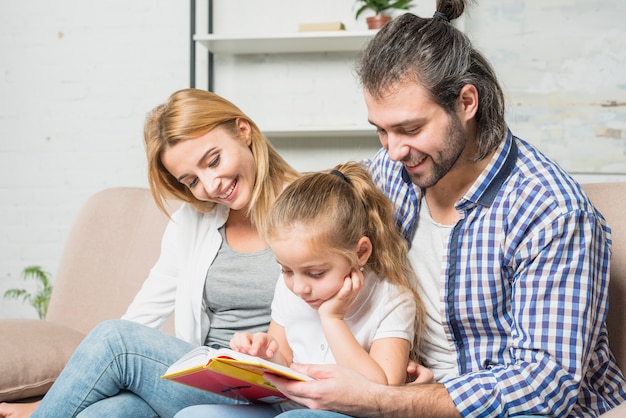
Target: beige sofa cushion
x,y
609,198
33,354
114,241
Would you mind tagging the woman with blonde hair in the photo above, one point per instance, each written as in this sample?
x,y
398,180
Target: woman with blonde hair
x,y
216,272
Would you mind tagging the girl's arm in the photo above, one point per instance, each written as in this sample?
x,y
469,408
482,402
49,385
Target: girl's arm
x,y
385,363
387,360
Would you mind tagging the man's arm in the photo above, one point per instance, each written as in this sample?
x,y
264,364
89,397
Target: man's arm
x,y
343,390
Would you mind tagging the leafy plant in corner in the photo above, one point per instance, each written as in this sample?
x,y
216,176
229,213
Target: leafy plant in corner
x,y
38,300
379,6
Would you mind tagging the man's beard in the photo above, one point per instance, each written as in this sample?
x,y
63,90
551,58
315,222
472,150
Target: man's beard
x,y
455,141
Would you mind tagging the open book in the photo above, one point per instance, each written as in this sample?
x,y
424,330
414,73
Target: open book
x,y
229,373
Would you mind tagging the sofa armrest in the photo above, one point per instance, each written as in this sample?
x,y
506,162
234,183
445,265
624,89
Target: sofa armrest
x,y
33,354
618,412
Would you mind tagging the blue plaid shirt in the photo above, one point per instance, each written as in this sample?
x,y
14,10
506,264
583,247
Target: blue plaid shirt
x,y
524,285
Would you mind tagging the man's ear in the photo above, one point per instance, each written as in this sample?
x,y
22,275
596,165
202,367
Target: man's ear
x,y
468,102
364,250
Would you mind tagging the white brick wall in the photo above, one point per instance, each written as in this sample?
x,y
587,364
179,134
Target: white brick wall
x,y
76,80
78,76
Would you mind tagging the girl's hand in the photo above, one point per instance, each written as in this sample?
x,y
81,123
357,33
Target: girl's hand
x,y
416,373
259,344
338,305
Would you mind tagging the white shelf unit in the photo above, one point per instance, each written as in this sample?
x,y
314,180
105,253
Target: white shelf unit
x,y
295,43
322,131
301,42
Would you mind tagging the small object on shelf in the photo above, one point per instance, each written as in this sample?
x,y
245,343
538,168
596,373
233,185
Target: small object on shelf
x,y
379,7
377,21
321,26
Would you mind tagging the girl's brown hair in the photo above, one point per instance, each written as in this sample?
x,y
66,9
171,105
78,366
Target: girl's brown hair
x,y
191,113
344,205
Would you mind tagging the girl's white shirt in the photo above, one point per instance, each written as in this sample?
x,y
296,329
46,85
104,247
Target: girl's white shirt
x,y
175,284
381,310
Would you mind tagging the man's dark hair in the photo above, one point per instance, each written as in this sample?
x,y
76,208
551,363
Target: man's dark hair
x,y
433,53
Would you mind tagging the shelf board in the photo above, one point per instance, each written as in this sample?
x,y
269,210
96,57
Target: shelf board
x,y
322,132
300,42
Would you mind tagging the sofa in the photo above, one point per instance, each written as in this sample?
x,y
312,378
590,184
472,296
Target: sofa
x,y
112,244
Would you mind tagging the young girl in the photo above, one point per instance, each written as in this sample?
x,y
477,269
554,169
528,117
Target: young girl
x,y
345,295
204,151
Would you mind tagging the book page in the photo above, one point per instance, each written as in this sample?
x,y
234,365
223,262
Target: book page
x,y
201,356
260,366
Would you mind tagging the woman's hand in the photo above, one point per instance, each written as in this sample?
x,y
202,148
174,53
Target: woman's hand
x,y
259,344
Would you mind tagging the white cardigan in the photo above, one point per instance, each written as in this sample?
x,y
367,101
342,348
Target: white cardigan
x,y
176,282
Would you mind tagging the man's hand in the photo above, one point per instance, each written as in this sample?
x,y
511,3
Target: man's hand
x,y
334,388
344,390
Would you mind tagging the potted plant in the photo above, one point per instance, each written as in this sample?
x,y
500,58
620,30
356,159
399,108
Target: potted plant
x,y
38,300
379,6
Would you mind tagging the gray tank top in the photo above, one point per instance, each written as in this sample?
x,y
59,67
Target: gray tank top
x,y
238,292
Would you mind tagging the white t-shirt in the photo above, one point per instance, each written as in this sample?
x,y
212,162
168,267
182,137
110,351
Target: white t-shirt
x,y
426,255
381,310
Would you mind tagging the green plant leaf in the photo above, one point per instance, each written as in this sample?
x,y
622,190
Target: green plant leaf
x,y
402,4
41,298
378,6
15,293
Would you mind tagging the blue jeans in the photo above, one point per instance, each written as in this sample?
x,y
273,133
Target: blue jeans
x,y
310,413
115,372
229,411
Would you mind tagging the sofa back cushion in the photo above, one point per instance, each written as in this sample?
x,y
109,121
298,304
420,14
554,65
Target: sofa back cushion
x,y
609,198
113,242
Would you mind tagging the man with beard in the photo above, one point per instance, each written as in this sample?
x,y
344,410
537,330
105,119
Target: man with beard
x,y
512,257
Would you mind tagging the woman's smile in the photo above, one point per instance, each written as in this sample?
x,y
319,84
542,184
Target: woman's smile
x,y
229,192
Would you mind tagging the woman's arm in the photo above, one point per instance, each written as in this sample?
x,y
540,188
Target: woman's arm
x,y
154,302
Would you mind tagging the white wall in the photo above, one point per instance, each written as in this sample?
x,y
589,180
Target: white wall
x,y
562,64
78,76
76,80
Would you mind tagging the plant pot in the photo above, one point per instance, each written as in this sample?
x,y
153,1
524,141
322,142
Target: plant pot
x,y
378,21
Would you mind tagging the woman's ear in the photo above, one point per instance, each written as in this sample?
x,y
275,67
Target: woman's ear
x,y
363,250
245,130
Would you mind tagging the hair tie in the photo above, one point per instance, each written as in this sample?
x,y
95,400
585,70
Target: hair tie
x,y
441,16
340,175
